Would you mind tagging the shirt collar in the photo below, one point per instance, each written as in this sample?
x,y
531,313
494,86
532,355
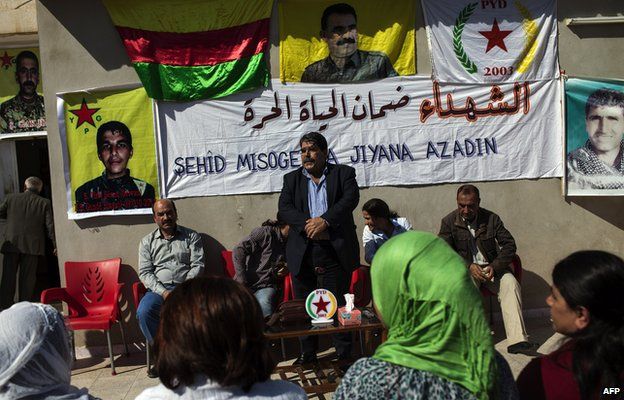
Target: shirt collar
x,y
160,235
307,174
355,60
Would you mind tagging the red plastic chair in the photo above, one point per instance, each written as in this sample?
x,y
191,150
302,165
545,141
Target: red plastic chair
x,y
516,270
226,255
138,291
91,295
361,286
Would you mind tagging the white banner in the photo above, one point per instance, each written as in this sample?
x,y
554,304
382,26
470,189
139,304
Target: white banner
x,y
399,131
492,40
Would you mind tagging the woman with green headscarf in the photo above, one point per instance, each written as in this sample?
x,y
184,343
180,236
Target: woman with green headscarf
x,y
439,344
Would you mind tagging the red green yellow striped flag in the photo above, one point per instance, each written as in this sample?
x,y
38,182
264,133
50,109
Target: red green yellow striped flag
x,y
195,49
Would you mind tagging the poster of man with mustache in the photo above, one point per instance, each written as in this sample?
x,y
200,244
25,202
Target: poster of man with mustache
x,y
350,47
25,112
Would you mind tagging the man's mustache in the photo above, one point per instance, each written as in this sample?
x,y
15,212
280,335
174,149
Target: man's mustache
x,y
29,83
305,160
345,41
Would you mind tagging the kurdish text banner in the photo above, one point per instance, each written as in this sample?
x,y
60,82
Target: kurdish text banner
x,y
399,131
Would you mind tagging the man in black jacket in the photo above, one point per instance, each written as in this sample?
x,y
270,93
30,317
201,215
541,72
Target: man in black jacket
x,y
480,237
317,201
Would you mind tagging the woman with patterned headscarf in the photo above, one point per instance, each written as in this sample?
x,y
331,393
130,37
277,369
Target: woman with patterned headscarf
x,y
35,355
439,344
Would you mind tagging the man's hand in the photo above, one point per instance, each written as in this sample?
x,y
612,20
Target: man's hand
x,y
477,273
166,294
314,227
488,272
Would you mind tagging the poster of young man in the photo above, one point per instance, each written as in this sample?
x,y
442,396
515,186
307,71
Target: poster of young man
x,y
335,42
110,152
21,106
594,137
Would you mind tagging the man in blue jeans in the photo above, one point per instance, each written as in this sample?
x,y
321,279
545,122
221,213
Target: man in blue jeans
x,y
168,256
259,261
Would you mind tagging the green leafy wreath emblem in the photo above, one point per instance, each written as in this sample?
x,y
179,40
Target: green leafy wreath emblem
x,y
458,46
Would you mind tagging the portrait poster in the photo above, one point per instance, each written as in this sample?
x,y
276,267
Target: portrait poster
x,y
492,41
594,137
21,104
109,152
384,42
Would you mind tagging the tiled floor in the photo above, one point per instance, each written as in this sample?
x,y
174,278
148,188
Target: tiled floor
x,y
131,377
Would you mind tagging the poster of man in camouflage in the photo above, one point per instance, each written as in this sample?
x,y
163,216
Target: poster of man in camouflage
x,y
25,111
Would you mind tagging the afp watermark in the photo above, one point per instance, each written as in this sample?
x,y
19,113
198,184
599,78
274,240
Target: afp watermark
x,y
613,391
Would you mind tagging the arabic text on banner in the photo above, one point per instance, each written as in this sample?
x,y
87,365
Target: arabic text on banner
x,y
189,50
594,137
385,29
108,173
492,40
398,131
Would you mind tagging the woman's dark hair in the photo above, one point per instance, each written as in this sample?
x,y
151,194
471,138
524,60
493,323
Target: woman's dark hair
x,y
379,209
595,280
212,326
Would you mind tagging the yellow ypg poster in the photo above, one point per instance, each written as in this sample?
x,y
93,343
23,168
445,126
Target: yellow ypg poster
x,y
110,152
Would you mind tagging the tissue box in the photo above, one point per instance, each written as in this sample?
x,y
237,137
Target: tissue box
x,y
349,318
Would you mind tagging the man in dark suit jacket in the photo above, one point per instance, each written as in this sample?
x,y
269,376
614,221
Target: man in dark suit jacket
x,y
28,215
317,201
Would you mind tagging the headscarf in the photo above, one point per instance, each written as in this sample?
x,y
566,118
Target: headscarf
x,y
35,356
433,312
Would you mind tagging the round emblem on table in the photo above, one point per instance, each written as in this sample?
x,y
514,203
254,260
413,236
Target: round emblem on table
x,y
321,304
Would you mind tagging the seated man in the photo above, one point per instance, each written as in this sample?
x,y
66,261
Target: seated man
x,y
479,236
168,256
381,225
259,261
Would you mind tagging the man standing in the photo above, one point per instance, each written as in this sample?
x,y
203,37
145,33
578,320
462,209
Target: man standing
x,y
115,189
28,216
345,62
168,256
479,236
25,111
317,201
599,163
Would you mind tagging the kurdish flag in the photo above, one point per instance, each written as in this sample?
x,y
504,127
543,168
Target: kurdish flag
x,y
195,49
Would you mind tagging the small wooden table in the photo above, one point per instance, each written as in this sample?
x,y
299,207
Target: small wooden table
x,y
322,381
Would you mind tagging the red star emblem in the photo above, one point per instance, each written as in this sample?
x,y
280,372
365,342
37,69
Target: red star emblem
x,y
84,114
6,60
321,305
495,37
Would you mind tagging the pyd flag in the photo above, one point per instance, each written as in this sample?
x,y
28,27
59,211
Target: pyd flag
x,y
195,49
382,27
492,40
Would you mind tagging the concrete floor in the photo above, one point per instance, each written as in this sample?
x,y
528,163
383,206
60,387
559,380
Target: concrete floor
x,y
94,372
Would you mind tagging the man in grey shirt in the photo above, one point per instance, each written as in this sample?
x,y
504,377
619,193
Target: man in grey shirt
x,y
168,256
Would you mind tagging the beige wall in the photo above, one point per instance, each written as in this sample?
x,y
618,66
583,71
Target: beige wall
x,y
80,49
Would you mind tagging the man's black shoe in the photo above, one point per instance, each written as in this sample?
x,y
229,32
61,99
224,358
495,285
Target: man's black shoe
x,y
526,348
152,373
306,358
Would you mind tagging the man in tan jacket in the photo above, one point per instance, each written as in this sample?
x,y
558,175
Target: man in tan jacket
x,y
29,218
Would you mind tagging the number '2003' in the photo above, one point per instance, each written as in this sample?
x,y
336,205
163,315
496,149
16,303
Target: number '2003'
x,y
496,71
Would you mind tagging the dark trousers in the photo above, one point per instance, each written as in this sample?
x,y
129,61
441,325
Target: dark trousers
x,y
27,264
321,270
